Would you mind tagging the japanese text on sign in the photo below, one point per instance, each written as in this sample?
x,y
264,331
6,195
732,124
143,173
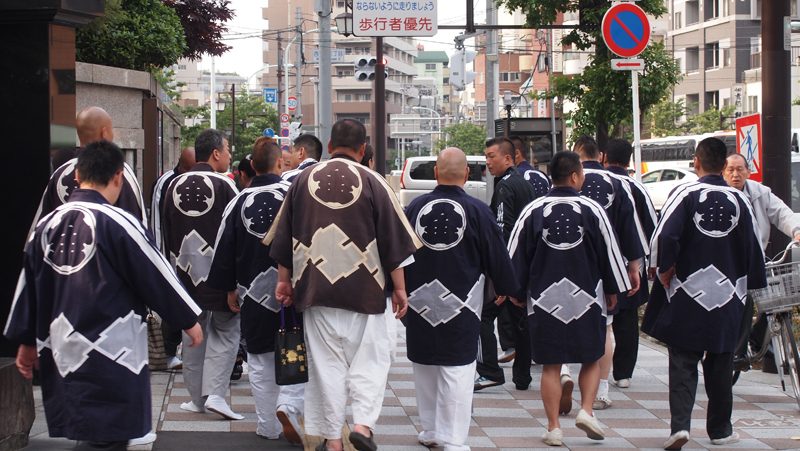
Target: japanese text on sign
x,y
395,18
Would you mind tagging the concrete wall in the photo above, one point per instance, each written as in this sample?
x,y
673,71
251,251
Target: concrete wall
x,y
121,93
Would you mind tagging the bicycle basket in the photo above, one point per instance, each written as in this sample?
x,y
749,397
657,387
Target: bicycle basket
x,y
782,291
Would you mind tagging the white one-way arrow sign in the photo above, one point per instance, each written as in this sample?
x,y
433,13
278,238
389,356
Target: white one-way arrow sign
x,y
627,64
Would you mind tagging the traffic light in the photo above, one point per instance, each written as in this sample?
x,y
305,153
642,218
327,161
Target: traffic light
x,y
365,68
459,76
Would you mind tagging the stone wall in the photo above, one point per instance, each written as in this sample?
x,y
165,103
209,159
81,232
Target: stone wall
x,y
121,93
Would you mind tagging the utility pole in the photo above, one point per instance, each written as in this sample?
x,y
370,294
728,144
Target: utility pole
x,y
213,94
298,65
776,106
280,71
379,125
324,11
550,68
492,75
233,118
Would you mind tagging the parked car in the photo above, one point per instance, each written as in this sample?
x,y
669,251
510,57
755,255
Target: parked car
x,y
417,179
661,182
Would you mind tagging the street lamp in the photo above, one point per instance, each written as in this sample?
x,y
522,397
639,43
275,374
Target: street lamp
x,y
344,23
508,101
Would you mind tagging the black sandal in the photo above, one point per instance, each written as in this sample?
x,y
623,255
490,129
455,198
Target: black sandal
x,y
361,442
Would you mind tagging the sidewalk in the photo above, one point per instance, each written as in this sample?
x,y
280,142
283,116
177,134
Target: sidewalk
x,y
505,418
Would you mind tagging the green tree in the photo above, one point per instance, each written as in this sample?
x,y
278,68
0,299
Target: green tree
x,y
133,34
710,120
664,118
466,136
603,96
252,117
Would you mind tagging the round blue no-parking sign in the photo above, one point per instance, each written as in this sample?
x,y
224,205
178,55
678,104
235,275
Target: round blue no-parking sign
x,y
626,29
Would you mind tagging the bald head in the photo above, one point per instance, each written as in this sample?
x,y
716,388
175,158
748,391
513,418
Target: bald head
x,y
94,124
451,167
186,160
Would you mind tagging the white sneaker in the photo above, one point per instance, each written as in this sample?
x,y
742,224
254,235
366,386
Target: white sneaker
x,y
174,363
146,439
507,355
601,403
677,440
588,424
554,437
267,436
428,439
623,383
289,418
733,438
218,405
192,407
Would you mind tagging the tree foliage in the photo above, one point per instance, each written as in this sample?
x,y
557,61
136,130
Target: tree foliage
x,y
203,24
666,119
603,96
252,117
134,34
466,136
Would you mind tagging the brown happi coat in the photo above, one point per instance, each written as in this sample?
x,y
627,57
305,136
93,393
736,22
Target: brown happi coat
x,y
341,231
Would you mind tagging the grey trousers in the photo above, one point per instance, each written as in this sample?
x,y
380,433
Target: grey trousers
x,y
207,368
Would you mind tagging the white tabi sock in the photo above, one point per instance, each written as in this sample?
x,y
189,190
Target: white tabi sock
x,y
602,389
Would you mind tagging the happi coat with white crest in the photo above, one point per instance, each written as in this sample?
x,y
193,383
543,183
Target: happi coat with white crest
x,y
566,258
614,195
538,179
192,215
242,263
90,271
707,233
446,282
341,231
62,183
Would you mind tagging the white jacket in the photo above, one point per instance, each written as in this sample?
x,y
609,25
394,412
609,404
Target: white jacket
x,y
769,209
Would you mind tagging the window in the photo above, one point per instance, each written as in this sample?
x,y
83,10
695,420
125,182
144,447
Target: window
x,y
712,99
692,8
509,76
715,8
678,22
692,103
712,55
692,59
340,4
430,66
181,67
727,57
752,104
669,175
348,97
651,177
446,80
348,50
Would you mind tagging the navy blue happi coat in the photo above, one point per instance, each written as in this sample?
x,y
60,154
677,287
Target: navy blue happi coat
x,y
707,233
446,283
538,179
90,271
242,263
566,258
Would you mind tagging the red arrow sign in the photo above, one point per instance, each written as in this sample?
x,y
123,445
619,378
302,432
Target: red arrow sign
x,y
627,64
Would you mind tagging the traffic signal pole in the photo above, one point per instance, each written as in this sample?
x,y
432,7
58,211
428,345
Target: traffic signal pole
x,y
379,127
776,105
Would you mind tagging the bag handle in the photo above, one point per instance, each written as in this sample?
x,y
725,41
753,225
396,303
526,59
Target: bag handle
x,y
283,318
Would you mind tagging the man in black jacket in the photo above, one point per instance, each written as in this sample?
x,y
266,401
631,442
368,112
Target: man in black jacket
x,y
511,194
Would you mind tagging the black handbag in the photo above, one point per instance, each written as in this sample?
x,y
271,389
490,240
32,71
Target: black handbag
x,y
291,364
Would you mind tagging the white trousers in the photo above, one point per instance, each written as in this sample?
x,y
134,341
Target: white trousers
x,y
207,368
347,352
268,395
444,402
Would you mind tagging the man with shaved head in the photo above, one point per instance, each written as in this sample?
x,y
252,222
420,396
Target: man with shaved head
x,y
462,246
92,124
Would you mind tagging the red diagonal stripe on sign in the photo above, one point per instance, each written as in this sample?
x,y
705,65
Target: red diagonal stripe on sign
x,y
627,30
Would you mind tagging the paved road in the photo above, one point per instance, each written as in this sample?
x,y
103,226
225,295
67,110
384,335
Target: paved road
x,y
505,418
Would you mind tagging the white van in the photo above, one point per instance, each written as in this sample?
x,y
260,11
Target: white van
x,y
417,179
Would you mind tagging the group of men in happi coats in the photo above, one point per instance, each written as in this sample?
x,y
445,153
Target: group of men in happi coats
x,y
327,242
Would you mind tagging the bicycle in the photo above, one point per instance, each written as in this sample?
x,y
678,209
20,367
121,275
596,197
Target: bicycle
x,y
778,300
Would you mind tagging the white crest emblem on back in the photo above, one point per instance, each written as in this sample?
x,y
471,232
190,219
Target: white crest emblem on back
x,y
193,194
562,225
75,246
441,224
717,212
335,184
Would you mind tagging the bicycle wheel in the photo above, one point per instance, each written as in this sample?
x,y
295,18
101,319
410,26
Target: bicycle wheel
x,y
791,356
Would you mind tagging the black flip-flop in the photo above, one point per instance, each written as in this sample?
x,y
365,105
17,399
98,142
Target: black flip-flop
x,y
361,442
322,446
